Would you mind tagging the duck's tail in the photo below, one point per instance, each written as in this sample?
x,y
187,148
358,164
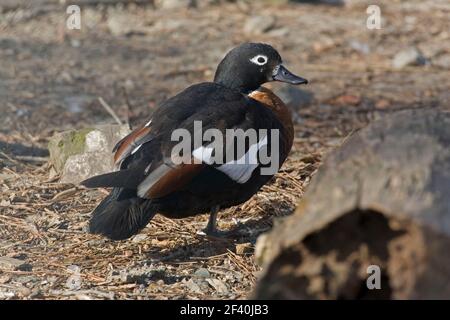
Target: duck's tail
x,y
121,214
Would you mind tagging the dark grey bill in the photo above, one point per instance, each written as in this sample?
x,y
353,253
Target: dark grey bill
x,y
284,75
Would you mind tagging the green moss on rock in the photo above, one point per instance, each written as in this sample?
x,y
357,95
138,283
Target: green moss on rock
x,y
65,144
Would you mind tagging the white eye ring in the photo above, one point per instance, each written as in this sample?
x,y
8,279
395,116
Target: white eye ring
x,y
260,60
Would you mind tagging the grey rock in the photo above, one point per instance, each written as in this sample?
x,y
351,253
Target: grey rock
x,y
74,268
74,282
218,285
193,286
75,43
408,57
80,154
23,291
202,273
381,198
259,24
139,237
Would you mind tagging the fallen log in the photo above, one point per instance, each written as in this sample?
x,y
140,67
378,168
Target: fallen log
x,y
383,200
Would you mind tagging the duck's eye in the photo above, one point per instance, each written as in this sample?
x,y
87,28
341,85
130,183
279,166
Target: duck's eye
x,y
259,60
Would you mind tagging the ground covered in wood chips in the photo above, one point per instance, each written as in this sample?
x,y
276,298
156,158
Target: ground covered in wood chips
x,y
134,57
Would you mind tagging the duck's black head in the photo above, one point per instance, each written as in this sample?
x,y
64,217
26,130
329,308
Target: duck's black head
x,y
248,66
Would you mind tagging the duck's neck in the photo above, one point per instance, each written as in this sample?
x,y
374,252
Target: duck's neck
x,y
236,84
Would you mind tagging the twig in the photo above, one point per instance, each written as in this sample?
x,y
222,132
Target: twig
x,y
32,158
65,193
9,158
128,104
109,110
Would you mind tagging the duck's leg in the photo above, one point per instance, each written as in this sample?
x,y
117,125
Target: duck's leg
x,y
211,228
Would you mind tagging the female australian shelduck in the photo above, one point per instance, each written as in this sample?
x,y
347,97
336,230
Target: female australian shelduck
x,y
150,181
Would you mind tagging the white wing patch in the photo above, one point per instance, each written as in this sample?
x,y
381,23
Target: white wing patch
x,y
239,170
203,154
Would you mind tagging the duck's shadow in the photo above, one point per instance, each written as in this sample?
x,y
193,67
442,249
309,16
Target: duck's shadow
x,y
12,150
208,247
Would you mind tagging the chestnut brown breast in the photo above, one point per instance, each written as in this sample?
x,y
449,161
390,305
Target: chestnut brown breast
x,y
274,103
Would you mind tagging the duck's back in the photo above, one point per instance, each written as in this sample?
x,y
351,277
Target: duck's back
x,y
261,109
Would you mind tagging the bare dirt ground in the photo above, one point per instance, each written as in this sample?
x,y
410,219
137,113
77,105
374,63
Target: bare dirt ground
x,y
51,77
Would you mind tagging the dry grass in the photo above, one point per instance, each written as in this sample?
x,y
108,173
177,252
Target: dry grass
x,y
43,222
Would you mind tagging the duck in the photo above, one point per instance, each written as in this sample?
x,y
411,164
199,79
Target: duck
x,y
151,178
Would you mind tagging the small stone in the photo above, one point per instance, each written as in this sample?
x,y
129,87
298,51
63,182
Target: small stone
x,y
202,273
218,285
408,57
194,287
75,43
118,24
5,203
259,24
74,282
129,84
139,237
80,154
4,278
64,77
24,291
74,268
